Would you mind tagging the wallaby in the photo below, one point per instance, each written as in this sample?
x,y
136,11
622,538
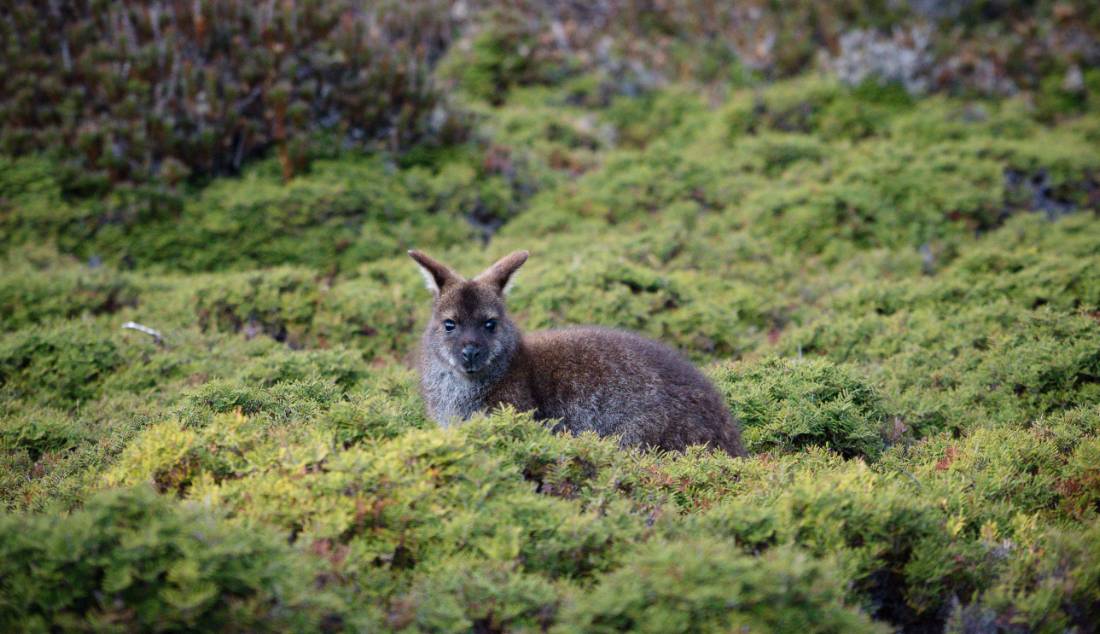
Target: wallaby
x,y
473,358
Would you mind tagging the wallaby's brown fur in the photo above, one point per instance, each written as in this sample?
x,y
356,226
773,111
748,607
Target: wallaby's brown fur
x,y
473,358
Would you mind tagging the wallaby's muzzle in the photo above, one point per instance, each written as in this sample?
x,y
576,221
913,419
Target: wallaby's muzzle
x,y
471,358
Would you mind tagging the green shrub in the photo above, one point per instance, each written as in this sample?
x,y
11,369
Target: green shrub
x,y
912,352
888,537
52,455
474,595
280,304
772,153
31,297
281,403
132,560
374,313
864,111
339,365
694,312
32,204
499,57
881,197
466,190
709,586
377,313
386,407
1051,587
337,215
641,119
999,361
592,470
39,431
939,119
382,500
64,365
164,456
1008,473
175,456
1080,483
786,405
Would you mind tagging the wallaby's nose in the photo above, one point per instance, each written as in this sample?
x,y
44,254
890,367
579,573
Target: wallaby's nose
x,y
470,355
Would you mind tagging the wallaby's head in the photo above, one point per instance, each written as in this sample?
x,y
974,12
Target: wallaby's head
x,y
470,330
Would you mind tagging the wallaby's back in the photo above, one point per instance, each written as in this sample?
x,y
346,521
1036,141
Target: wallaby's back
x,y
615,382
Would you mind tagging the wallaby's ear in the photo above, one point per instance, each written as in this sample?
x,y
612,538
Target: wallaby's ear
x,y
436,275
499,275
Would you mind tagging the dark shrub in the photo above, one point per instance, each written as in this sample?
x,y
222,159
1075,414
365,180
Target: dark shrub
x,y
141,91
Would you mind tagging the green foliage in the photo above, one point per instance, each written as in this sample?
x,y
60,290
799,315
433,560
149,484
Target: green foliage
x,y
897,295
283,402
1001,362
500,56
787,405
64,292
1051,587
709,586
133,560
340,213
337,215
299,308
281,365
280,303
637,120
890,538
472,595
67,363
39,431
386,407
1040,471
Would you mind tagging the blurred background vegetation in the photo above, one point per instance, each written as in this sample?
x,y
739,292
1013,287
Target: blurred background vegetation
x,y
133,108
874,224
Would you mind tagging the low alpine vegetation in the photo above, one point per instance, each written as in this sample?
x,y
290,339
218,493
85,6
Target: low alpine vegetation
x,y
896,294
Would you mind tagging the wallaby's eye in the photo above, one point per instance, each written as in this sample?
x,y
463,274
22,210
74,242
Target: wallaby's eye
x,y
448,325
490,325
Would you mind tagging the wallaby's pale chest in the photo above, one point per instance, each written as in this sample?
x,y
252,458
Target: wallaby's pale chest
x,y
450,398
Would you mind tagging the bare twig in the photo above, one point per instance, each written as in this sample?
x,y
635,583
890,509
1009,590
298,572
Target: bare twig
x,y
157,337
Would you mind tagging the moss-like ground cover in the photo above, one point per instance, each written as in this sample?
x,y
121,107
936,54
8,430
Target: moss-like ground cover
x,y
899,298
